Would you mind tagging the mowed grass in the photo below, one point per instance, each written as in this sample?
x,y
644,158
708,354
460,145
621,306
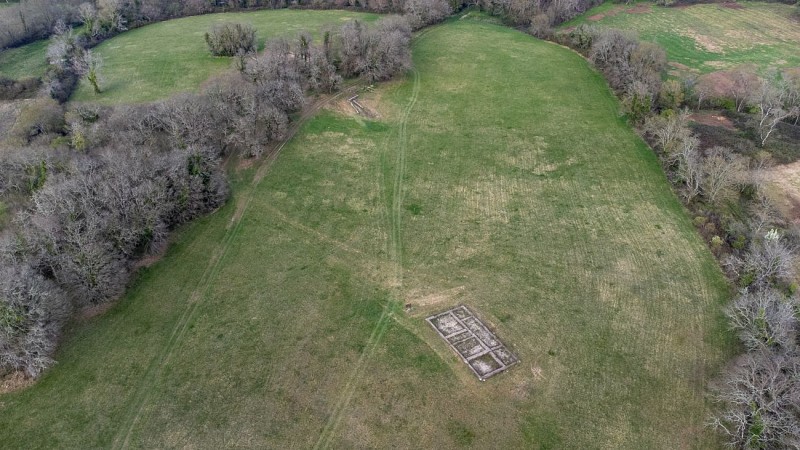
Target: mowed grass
x,y
294,316
26,61
158,60
712,36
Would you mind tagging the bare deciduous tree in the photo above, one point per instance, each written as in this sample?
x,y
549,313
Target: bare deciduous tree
x,y
321,73
228,39
32,312
378,53
425,12
761,397
89,64
763,318
722,169
763,215
744,84
389,51
669,131
88,15
690,166
767,261
771,97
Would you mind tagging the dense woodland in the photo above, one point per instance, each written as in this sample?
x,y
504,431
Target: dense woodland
x,y
123,177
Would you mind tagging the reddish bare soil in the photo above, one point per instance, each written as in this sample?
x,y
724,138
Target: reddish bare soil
x,y
94,311
711,119
14,382
732,5
610,13
641,8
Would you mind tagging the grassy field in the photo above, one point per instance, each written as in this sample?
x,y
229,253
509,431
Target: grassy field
x,y
710,37
158,60
294,316
26,61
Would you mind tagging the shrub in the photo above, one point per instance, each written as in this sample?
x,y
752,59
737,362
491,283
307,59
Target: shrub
x,y
32,312
763,318
17,89
426,12
541,26
671,95
378,53
40,116
759,392
228,39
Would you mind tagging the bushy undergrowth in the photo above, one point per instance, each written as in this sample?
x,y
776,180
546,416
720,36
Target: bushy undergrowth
x,y
230,39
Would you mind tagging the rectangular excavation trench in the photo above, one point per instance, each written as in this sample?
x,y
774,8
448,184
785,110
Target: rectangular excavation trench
x,y
478,347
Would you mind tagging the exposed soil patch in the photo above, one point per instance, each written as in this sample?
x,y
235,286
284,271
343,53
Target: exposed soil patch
x,y
714,120
680,66
94,311
358,107
792,71
246,163
679,70
705,42
732,5
641,8
13,382
609,13
415,301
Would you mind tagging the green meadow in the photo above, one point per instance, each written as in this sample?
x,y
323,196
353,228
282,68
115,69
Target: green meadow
x,y
158,60
22,62
294,316
709,37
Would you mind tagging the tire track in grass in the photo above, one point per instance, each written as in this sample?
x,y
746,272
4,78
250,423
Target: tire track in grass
x,y
396,257
398,190
155,369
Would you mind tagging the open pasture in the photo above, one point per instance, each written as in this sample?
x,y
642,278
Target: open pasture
x,y
158,60
26,61
296,314
709,37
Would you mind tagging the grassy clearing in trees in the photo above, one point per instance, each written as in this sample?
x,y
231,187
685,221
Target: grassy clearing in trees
x,y
705,38
158,60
